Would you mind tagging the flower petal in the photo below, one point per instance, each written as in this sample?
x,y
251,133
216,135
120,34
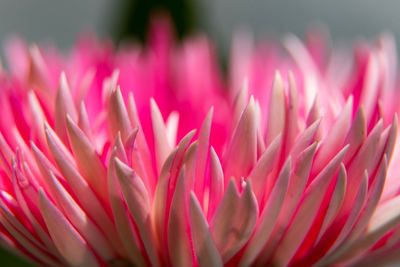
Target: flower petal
x,y
241,153
87,159
69,243
305,215
138,202
179,245
276,110
234,220
204,246
268,217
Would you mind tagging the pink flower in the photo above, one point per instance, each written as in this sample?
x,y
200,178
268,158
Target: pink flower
x,y
288,163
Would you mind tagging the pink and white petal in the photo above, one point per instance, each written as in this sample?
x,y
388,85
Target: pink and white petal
x,y
335,204
138,202
118,115
206,251
336,250
297,184
292,125
385,217
161,145
68,241
276,110
305,139
268,217
64,106
241,154
88,200
234,221
87,159
216,183
171,127
202,155
333,141
30,247
264,167
356,135
123,225
179,241
306,212
80,221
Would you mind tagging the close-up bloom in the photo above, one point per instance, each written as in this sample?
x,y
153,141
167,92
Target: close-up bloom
x,y
153,156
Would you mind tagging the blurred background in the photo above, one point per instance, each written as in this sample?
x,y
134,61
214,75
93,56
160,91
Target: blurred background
x,y
62,21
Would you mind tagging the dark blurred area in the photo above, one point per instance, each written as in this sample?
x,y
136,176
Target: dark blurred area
x,y
134,18
9,259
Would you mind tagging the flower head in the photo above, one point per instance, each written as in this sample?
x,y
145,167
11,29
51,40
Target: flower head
x,y
146,156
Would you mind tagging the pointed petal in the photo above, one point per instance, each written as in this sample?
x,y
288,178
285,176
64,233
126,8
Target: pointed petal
x,y
83,121
26,242
374,196
384,218
335,138
134,157
241,100
241,154
334,205
171,127
38,118
27,198
305,215
264,166
298,181
179,246
124,226
138,202
305,139
356,135
369,92
80,221
141,143
268,217
87,159
363,161
276,110
109,85
69,243
292,126
234,220
297,184
44,165
88,199
202,154
161,145
64,106
118,115
216,183
206,251
337,248
16,222
343,251
392,138
160,196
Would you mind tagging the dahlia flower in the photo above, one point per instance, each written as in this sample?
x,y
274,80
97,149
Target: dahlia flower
x,y
147,156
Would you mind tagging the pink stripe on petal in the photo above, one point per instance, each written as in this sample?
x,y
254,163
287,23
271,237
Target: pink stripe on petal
x,y
138,202
234,220
69,243
206,251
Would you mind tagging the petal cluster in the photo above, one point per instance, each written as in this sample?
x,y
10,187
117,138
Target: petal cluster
x,y
148,156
